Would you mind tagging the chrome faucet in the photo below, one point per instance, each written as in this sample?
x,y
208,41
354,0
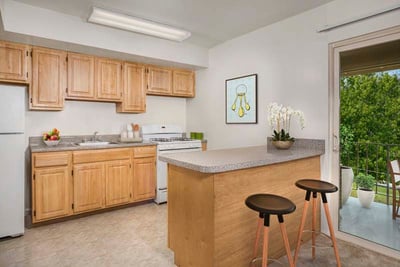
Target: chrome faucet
x,y
94,136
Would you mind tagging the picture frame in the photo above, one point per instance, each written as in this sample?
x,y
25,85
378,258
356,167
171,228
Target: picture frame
x,y
241,100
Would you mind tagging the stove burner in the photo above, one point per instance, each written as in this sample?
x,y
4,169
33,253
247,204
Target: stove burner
x,y
171,139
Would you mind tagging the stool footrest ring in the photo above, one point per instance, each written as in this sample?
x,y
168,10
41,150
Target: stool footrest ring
x,y
321,234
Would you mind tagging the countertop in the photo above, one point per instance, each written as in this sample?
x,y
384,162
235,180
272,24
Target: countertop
x,y
69,143
216,161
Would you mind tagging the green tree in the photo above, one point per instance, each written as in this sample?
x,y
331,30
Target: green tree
x,y
369,113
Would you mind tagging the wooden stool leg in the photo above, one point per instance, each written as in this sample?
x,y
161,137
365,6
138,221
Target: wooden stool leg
x,y
258,232
301,228
265,241
331,231
314,222
285,240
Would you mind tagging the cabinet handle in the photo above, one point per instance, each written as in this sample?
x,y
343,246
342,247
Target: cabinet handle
x,y
335,143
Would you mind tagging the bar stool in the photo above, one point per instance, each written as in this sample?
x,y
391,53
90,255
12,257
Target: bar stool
x,y
266,205
316,186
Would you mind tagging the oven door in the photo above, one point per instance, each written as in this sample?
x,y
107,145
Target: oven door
x,y
162,173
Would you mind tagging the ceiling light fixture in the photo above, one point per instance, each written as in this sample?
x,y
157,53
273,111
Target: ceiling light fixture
x,y
129,23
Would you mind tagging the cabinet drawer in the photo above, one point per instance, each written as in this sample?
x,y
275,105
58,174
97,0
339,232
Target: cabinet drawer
x,y
144,151
101,155
51,159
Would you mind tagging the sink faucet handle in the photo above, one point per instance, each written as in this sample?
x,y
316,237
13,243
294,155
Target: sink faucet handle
x,y
94,135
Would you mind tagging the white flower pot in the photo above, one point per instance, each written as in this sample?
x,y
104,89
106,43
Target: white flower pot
x,y
347,177
365,197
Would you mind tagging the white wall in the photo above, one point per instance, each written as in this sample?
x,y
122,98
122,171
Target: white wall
x,y
291,60
80,118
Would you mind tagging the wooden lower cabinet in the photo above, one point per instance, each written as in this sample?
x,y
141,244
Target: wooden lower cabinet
x,y
51,193
144,178
118,182
68,183
88,187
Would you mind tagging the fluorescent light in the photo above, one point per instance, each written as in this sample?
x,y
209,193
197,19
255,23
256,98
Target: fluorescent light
x,y
129,23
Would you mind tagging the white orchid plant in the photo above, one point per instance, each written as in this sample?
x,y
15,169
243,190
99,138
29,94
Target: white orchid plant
x,y
280,118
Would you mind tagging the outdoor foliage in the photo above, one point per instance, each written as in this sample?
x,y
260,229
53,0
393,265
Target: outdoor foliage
x,y
369,114
364,181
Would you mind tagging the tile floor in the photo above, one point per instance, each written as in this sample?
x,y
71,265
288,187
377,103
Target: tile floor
x,y
374,224
136,237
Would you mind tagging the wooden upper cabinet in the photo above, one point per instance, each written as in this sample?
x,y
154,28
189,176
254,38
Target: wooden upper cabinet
x,y
108,79
14,62
80,76
134,94
159,81
183,83
49,79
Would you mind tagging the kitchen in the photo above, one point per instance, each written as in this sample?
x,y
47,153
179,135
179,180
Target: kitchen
x,y
271,52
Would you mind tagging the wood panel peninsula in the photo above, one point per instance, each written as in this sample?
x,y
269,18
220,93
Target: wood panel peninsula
x,y
208,222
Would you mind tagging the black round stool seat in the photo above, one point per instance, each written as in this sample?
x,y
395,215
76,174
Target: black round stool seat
x,y
270,204
316,186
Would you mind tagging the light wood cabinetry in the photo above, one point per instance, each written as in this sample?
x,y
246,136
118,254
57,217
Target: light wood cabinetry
x,y
144,172
183,83
74,182
159,81
102,178
108,79
14,62
118,182
49,79
80,76
134,89
51,185
88,187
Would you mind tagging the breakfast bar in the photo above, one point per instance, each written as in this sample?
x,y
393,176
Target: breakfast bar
x,y
208,222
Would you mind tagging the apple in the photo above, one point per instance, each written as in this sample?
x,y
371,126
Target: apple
x,y
54,138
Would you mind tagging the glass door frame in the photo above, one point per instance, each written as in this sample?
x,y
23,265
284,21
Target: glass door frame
x,y
335,49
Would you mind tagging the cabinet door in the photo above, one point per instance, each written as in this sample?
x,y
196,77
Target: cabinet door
x,y
14,62
88,187
108,79
80,76
159,81
144,178
48,79
183,83
134,95
118,182
51,189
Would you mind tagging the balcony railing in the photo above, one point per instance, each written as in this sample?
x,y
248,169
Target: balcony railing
x,y
371,158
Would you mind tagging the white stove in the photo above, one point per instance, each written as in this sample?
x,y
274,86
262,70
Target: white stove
x,y
169,139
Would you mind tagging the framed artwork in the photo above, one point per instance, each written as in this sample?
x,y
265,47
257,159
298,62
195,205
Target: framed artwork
x,y
241,100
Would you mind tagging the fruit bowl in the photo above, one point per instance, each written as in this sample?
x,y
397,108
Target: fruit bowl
x,y
52,142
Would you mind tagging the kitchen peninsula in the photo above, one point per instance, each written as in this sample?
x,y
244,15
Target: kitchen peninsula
x,y
208,222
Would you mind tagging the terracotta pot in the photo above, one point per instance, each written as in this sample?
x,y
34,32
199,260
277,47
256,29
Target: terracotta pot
x,y
282,144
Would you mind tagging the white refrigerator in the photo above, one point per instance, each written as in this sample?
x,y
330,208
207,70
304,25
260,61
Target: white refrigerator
x,y
12,159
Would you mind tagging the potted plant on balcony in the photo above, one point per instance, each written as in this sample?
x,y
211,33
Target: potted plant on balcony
x,y
365,184
279,119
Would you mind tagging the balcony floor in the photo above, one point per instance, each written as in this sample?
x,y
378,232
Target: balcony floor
x,y
374,224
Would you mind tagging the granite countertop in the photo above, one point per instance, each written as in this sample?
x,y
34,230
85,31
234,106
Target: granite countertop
x,y
216,161
69,143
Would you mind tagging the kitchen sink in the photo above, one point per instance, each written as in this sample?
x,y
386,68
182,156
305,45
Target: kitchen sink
x,y
95,143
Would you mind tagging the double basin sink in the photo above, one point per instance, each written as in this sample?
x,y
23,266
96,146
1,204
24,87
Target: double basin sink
x,y
95,143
